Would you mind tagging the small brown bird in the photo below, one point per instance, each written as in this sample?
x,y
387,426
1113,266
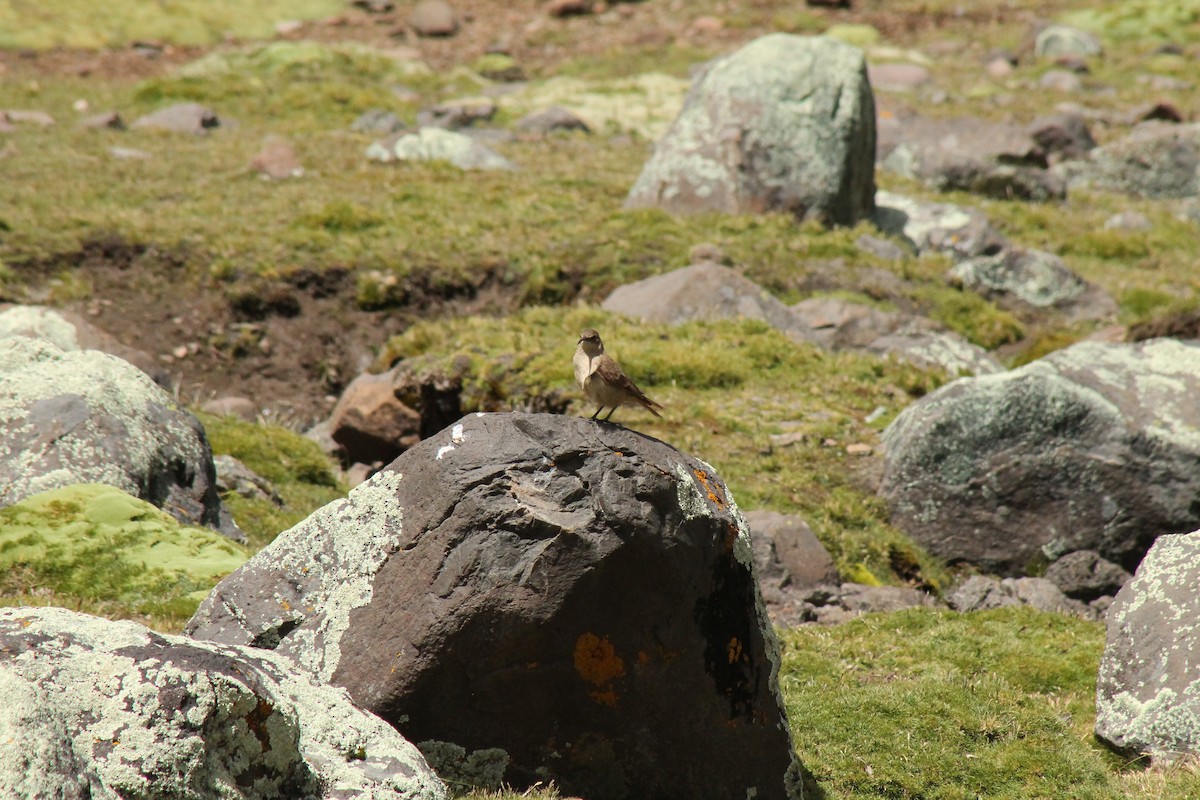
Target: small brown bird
x,y
602,379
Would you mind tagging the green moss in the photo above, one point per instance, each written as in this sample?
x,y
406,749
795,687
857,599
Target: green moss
x,y
976,319
301,474
99,545
1141,20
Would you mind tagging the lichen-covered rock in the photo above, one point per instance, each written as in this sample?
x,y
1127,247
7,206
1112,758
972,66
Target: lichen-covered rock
x,y
573,593
938,227
842,325
1095,447
787,123
981,592
435,144
83,416
1036,279
101,709
1148,689
70,331
1156,159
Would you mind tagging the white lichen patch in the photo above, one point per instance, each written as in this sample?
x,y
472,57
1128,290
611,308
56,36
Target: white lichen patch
x,y
90,709
335,553
39,322
90,403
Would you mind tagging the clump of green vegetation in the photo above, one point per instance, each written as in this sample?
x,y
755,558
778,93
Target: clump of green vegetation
x,y
970,315
94,547
69,23
732,390
938,704
1141,20
301,474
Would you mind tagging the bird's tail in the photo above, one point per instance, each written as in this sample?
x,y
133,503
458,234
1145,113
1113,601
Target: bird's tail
x,y
650,405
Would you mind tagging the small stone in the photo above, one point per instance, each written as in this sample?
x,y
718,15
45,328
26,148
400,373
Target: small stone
x,y
232,406
706,26
555,118
180,118
999,68
277,160
1061,80
180,352
128,153
1062,40
1165,112
287,27
39,118
433,18
375,6
897,77
378,120
707,251
569,8
109,119
859,449
456,114
1127,221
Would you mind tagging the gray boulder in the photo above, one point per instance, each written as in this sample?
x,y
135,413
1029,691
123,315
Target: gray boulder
x,y
191,118
969,154
87,417
786,123
1036,279
370,424
1062,136
1086,575
1091,448
980,593
1156,160
98,709
790,562
703,291
435,144
838,324
574,593
937,227
1148,689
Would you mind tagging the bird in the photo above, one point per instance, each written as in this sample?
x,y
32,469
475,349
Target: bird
x,y
602,379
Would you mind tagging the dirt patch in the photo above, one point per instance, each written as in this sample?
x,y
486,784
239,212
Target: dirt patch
x,y
289,344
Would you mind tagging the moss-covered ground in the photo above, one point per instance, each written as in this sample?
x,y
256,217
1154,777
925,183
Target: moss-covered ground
x,y
921,704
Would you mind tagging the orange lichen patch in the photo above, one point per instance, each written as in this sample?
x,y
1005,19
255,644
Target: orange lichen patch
x,y
734,650
710,489
596,660
605,698
285,605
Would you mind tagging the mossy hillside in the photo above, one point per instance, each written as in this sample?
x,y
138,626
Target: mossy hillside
x,y
297,469
94,547
69,23
729,387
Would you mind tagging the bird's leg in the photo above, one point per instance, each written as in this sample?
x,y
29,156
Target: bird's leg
x,y
610,413
598,410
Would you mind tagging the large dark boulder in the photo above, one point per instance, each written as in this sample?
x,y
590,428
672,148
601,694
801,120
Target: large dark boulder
x,y
1091,448
786,123
572,592
1148,689
95,708
84,416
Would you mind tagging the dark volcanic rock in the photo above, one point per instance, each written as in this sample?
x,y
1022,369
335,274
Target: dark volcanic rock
x,y
1085,575
787,123
113,709
574,593
1148,690
1094,447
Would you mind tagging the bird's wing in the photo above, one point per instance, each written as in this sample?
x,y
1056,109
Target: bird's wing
x,y
611,373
